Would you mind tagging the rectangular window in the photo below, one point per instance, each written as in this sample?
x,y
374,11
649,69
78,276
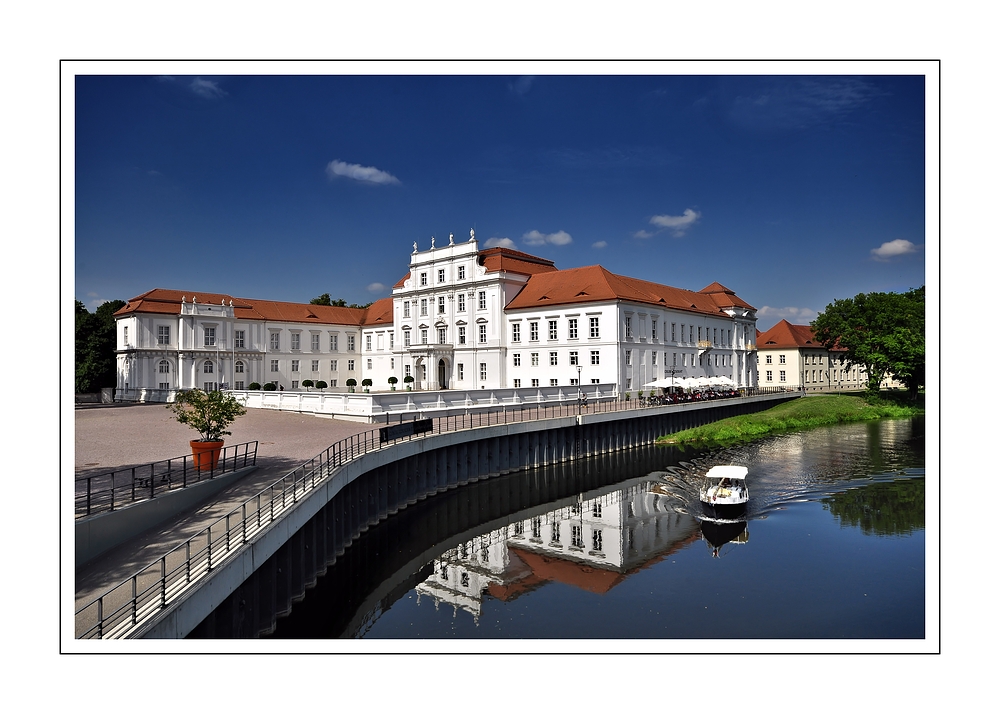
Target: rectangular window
x,y
461,334
628,357
209,367
423,337
534,359
576,536
368,343
574,358
517,359
673,332
163,335
654,359
315,365
553,359
209,336
770,378
482,334
461,272
423,278
274,365
781,359
406,338
767,359
595,327
350,343
239,368
295,365
314,343
440,304
239,339
406,308
333,343
295,340
482,371
407,371
515,332
691,333
369,365
461,371
295,384
423,307
238,385
781,376
533,331
441,275
392,339
598,540
595,357
482,299
553,382
350,365
553,330
461,302
574,382
534,383
333,365
653,335
573,331
517,384
628,328
442,335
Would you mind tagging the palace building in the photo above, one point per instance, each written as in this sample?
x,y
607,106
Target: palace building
x,y
461,318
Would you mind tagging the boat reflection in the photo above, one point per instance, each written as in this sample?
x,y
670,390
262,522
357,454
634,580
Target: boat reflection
x,y
717,533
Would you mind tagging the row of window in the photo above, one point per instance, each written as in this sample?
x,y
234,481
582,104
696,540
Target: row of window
x,y
441,275
274,341
573,326
442,336
425,304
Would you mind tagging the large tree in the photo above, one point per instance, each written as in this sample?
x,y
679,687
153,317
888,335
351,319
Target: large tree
x,y
882,332
95,346
324,299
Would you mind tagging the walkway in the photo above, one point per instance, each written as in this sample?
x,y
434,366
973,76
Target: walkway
x,y
114,436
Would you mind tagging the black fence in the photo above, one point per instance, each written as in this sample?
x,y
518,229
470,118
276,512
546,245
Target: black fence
x,y
114,489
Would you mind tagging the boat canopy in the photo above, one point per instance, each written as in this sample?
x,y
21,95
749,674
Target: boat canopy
x,y
734,472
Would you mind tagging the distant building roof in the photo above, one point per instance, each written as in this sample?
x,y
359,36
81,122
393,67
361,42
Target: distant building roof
x,y
785,335
497,260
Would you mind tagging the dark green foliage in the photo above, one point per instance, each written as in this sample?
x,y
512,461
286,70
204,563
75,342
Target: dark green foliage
x,y
321,384
208,413
884,509
95,347
882,332
325,299
254,385
270,387
307,383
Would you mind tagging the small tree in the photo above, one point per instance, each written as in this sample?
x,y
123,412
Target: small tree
x,y
321,384
351,383
307,383
270,387
208,413
366,383
392,383
254,385
408,380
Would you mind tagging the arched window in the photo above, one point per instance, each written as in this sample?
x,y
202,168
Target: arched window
x,y
164,367
239,367
209,366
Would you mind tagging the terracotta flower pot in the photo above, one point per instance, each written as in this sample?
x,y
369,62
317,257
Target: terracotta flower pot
x,y
206,454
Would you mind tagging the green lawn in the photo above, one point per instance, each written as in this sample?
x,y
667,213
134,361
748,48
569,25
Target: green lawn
x,y
801,413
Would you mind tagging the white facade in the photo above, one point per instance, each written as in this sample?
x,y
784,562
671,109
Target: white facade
x,y
458,320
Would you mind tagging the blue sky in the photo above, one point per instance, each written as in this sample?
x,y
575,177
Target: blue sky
x,y
792,190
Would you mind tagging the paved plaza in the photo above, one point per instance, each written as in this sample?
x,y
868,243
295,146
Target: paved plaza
x,y
113,436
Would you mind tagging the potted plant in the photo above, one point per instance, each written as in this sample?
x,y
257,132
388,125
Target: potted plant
x,y
208,413
321,385
392,383
628,396
270,387
351,384
307,383
254,385
366,383
408,380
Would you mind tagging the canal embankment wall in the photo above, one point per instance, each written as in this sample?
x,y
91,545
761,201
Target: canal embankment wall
x,y
265,578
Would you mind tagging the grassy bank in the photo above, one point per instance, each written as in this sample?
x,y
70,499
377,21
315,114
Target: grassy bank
x,y
801,413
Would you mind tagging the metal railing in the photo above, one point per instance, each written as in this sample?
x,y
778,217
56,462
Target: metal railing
x,y
124,609
111,490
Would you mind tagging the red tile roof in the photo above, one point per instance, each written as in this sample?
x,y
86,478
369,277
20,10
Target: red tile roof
x,y
168,302
787,336
514,261
379,313
596,284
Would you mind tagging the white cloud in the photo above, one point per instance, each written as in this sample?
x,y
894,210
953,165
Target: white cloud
x,y
499,243
365,174
539,238
376,288
892,248
795,315
206,88
600,244
643,234
678,224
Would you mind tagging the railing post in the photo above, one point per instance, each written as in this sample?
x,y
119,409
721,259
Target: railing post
x,y
163,581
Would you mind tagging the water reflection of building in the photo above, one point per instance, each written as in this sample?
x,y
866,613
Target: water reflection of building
x,y
592,544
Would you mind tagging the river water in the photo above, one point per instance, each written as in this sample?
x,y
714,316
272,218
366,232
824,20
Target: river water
x,y
832,546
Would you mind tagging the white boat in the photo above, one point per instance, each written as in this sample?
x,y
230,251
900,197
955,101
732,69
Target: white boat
x,y
724,493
